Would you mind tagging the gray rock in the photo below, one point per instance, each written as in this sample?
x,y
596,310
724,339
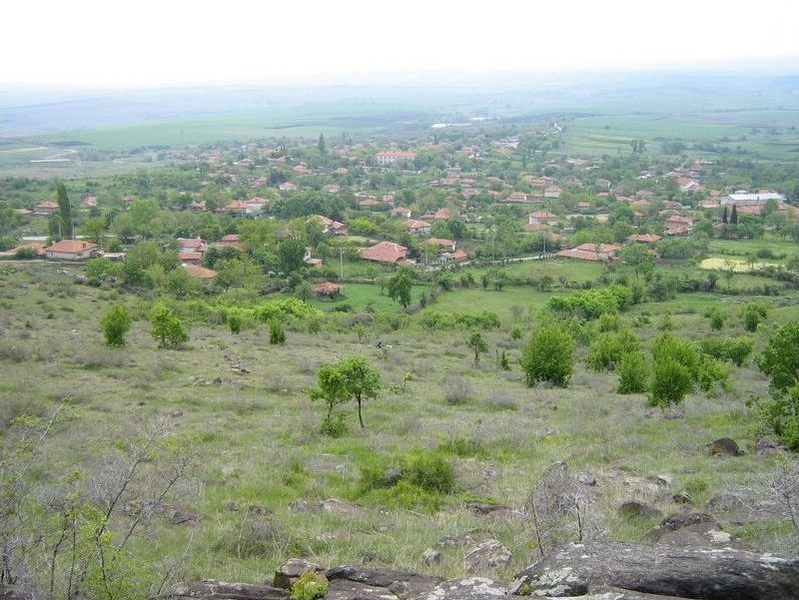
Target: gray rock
x,y
290,571
300,505
634,509
586,479
666,570
491,554
725,447
469,588
375,583
214,590
431,557
339,507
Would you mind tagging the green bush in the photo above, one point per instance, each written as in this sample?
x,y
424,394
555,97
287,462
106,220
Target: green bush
x,y
781,416
780,359
736,350
549,356
753,314
671,381
234,321
115,324
633,373
607,350
431,472
167,329
716,318
309,586
277,335
609,322
590,304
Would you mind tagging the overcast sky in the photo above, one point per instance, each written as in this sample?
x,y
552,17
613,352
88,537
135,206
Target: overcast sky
x,y
156,42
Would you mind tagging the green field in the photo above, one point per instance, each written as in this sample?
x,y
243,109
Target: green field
x,y
767,135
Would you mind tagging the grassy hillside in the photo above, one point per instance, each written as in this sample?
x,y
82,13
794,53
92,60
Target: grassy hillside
x,y
240,407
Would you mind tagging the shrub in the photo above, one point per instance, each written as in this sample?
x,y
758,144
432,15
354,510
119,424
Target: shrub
x,y
753,314
590,304
309,586
277,335
116,323
736,350
458,391
167,329
549,356
431,472
780,359
608,349
671,381
234,320
633,373
609,322
781,416
716,318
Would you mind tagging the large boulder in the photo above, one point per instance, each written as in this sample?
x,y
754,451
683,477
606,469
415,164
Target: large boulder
x,y
375,582
491,554
469,588
214,590
666,570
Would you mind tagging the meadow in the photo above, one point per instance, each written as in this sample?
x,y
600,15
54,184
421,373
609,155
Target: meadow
x,y
240,407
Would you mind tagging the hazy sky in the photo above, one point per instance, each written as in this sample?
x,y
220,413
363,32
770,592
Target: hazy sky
x,y
156,42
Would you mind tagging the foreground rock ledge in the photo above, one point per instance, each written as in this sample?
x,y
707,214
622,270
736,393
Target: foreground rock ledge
x,y
699,573
590,571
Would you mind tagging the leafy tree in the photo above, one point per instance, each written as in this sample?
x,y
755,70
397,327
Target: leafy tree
x,y
671,381
349,379
633,373
716,317
477,344
116,323
399,287
64,211
780,359
781,415
291,255
167,329
734,215
549,356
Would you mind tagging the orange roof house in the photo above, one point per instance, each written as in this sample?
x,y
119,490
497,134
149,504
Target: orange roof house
x,y
328,289
592,252
418,227
47,207
644,238
70,250
679,225
200,272
385,252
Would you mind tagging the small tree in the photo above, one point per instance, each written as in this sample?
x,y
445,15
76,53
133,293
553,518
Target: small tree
x,y
64,211
671,381
780,359
549,356
349,379
399,287
477,344
167,329
116,323
633,373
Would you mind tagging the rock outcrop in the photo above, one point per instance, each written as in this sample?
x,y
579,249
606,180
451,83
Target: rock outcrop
x,y
607,571
665,570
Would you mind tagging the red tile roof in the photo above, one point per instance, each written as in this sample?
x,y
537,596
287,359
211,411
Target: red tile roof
x,y
385,252
71,247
